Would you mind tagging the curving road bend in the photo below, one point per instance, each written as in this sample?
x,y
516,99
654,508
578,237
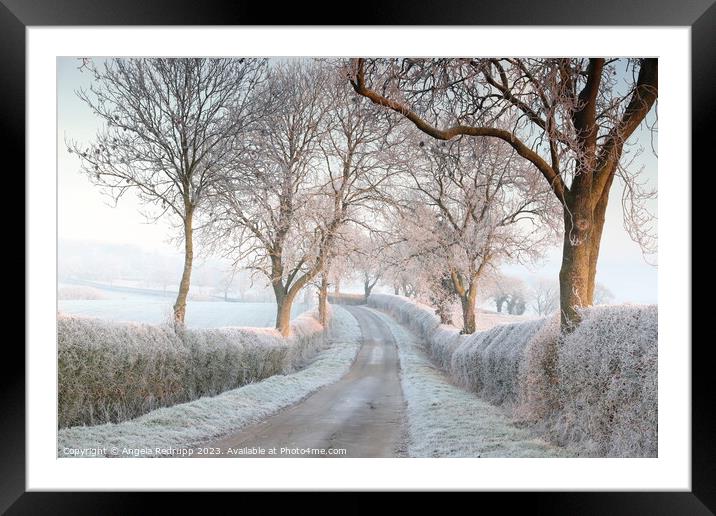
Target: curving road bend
x,y
361,415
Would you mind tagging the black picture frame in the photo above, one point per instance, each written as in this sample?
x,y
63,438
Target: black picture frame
x,y
16,15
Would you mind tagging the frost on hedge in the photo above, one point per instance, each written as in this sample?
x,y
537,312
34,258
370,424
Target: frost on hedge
x,y
197,422
608,382
445,420
110,372
601,391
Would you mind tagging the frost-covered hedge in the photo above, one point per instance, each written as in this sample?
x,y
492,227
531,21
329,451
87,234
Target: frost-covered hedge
x,y
111,372
601,391
199,421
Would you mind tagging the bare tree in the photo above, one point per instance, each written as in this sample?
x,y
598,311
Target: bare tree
x,y
517,304
336,268
333,269
245,283
359,160
573,120
356,149
314,162
501,299
468,207
366,260
370,279
338,271
163,274
226,280
545,296
264,206
401,268
506,292
170,126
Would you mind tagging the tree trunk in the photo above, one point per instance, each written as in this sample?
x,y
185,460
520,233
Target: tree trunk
x,y
498,303
286,293
467,302
323,300
396,290
596,238
511,306
283,313
574,274
337,287
466,290
366,290
180,304
285,297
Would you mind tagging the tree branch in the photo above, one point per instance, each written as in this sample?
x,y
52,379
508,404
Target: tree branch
x,y
554,179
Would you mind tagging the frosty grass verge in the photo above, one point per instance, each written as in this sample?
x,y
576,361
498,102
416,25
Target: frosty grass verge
x,y
604,400
197,421
447,421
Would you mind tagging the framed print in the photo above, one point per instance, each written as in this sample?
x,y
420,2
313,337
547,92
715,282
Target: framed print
x,y
276,244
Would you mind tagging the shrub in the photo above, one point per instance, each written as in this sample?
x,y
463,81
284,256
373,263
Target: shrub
x,y
594,389
112,372
607,371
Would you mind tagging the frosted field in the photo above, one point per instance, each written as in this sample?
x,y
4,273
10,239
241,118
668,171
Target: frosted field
x,y
157,310
199,314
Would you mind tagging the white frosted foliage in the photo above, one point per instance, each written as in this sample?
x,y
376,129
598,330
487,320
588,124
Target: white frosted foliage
x,y
111,372
201,420
603,397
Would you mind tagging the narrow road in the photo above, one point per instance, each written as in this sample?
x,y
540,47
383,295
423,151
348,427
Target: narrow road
x,y
361,415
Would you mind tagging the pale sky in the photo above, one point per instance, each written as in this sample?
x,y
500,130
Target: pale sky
x,y
85,214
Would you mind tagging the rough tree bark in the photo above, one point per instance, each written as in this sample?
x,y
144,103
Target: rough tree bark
x,y
286,292
574,271
467,302
599,215
283,313
284,297
284,301
468,296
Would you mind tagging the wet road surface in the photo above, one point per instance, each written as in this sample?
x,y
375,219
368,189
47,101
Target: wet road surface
x,y
361,415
